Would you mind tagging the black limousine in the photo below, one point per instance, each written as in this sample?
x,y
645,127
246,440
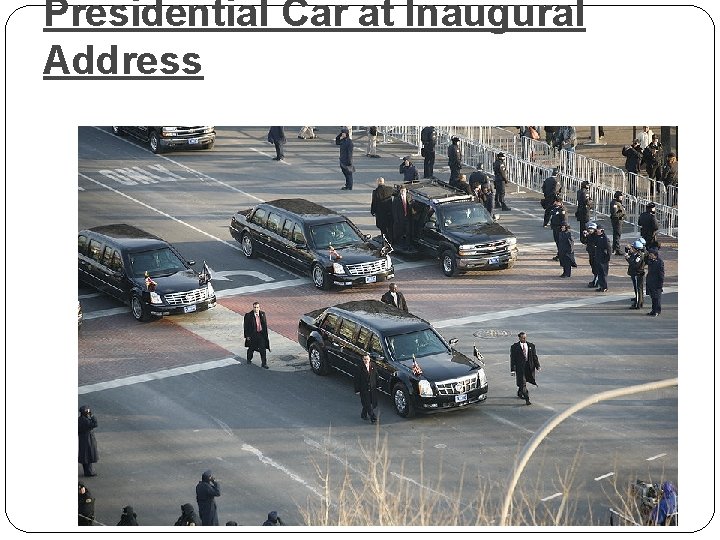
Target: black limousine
x,y
312,239
143,271
415,365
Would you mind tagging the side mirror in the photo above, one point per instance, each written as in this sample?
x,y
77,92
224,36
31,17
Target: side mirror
x,y
375,357
301,245
430,225
367,237
453,341
191,263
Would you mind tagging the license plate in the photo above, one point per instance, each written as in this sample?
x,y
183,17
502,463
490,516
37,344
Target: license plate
x,y
193,140
370,279
460,398
493,260
189,309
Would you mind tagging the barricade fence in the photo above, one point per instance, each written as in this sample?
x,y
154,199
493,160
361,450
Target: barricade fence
x,y
530,162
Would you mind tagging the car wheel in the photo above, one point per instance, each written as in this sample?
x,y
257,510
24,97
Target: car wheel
x,y
401,399
155,143
247,246
506,266
117,130
320,277
139,311
318,362
209,146
449,263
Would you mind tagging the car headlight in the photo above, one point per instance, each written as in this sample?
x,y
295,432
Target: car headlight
x,y
155,298
467,247
210,290
512,241
482,378
425,388
338,268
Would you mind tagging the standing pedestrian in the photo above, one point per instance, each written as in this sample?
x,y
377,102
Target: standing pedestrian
x,y
645,137
655,280
87,446
523,364
669,177
652,159
617,214
501,180
381,208
395,298
345,143
372,142
86,506
649,226
276,136
366,386
454,160
205,492
128,517
551,188
584,204
485,194
633,158
408,170
428,138
566,250
602,259
256,334
402,217
187,518
558,216
635,256
273,519
589,235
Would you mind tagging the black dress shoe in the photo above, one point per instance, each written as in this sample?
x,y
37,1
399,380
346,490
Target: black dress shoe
x,y
265,366
373,419
652,314
344,187
591,285
364,416
91,474
527,402
249,362
556,258
506,208
600,289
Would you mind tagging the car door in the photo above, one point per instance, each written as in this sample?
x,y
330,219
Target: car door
x,y
428,235
119,285
94,262
328,329
341,346
291,250
304,254
274,247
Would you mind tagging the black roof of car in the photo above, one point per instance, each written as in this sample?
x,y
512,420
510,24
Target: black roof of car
x,y
379,316
128,236
302,207
437,192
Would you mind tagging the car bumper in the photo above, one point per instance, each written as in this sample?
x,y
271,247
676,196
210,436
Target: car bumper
x,y
443,403
162,310
187,142
486,263
345,280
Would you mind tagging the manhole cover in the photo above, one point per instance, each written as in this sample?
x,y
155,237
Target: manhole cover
x,y
490,333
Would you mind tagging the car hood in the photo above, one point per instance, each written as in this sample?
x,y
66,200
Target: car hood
x,y
478,234
186,280
441,367
356,253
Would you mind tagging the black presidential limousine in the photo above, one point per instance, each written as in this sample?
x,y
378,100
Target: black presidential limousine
x,y
415,365
143,271
312,239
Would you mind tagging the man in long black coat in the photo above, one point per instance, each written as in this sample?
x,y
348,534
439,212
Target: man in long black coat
x,y
550,188
87,446
428,137
381,208
523,363
655,280
394,298
206,491
584,204
566,250
454,160
187,516
345,143
649,226
86,506
602,254
255,330
366,386
276,136
402,209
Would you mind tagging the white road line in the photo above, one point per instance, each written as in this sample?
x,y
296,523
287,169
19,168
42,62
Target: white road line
x,y
221,275
604,476
507,422
550,497
261,287
104,313
652,458
87,296
268,155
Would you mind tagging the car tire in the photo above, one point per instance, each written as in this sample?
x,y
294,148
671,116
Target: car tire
x,y
401,400
138,309
320,277
318,360
448,263
117,130
507,266
247,246
154,142
209,146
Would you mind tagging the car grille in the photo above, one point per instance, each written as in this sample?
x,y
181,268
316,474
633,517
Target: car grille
x,y
490,248
372,267
185,131
187,297
457,386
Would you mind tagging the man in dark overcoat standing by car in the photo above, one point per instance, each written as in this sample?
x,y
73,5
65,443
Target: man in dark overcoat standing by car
x,y
276,136
394,298
402,211
87,447
256,334
345,143
523,363
206,491
366,386
381,208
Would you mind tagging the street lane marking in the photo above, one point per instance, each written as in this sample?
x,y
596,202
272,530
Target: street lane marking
x,y
604,476
652,458
507,422
262,287
550,497
268,155
221,275
88,315
92,295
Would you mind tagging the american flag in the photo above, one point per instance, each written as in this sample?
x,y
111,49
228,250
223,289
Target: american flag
x,y
334,254
149,283
416,369
205,275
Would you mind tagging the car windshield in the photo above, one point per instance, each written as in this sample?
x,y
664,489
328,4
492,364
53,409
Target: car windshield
x,y
158,262
464,215
421,343
337,235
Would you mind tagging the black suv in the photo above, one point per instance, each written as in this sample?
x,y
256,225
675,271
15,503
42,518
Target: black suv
x,y
164,138
142,271
415,365
310,238
453,227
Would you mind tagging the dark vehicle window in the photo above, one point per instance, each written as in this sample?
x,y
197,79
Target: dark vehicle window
x,y
82,244
336,234
259,217
274,222
363,338
347,330
421,343
376,346
464,215
116,263
330,322
297,235
287,229
96,250
157,262
107,256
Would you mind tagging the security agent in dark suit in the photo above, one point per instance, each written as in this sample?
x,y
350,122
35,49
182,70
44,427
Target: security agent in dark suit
x,y
402,212
523,363
381,208
428,137
256,334
395,298
366,386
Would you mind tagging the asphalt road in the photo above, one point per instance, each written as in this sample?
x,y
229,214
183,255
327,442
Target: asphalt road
x,y
172,401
